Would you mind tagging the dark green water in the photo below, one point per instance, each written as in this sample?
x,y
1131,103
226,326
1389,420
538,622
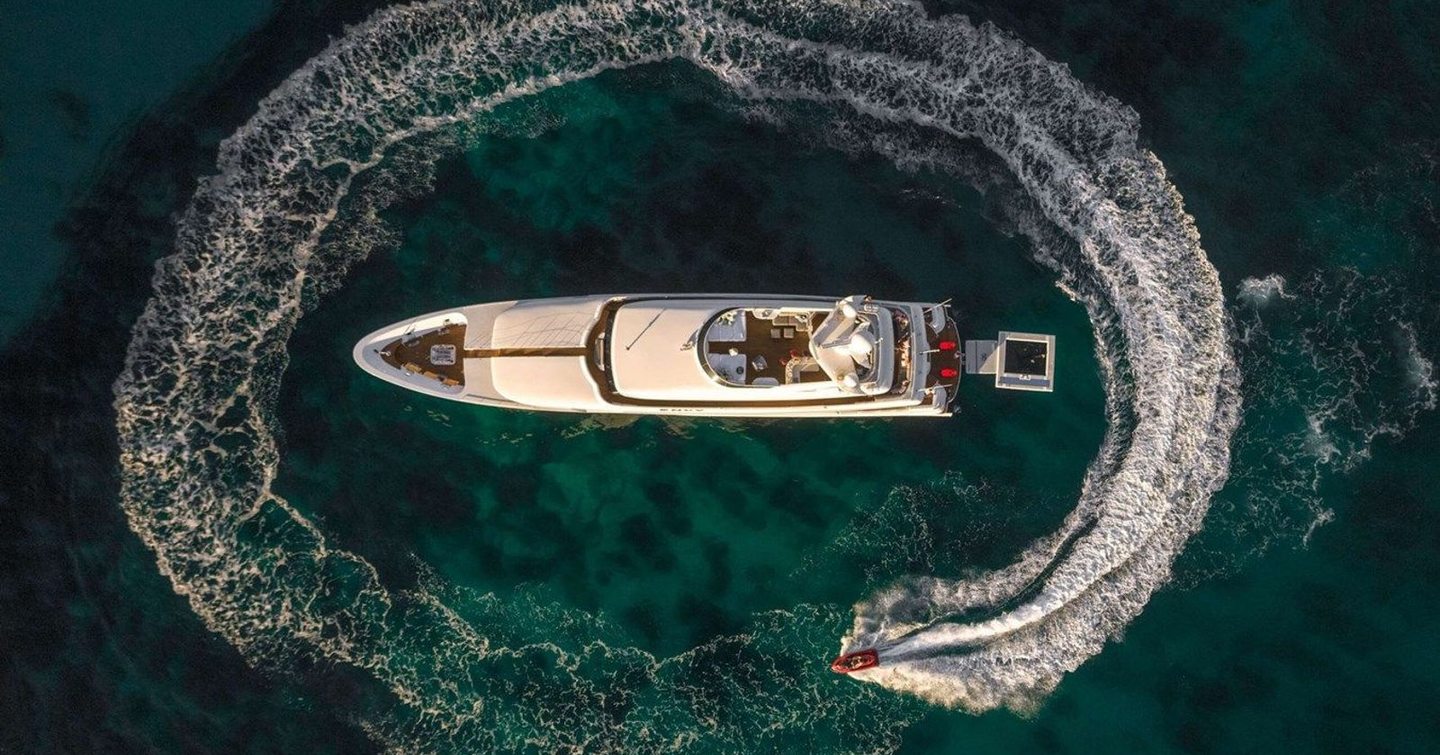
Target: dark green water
x,y
1301,617
75,77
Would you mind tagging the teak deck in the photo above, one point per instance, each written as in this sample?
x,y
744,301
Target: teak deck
x,y
776,351
413,354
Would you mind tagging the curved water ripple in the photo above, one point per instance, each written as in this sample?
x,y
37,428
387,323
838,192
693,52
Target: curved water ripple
x,y
195,401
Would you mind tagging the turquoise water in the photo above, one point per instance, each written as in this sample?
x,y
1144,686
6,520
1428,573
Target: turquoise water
x,y
692,578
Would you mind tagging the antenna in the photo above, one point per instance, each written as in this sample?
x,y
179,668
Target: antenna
x,y
934,307
646,328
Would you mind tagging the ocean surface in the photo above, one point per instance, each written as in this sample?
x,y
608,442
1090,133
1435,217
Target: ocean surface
x,y
1220,533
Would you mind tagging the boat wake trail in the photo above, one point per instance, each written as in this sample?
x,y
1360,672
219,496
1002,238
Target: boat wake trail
x,y
195,403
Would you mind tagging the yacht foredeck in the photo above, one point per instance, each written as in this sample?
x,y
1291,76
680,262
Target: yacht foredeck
x,y
437,354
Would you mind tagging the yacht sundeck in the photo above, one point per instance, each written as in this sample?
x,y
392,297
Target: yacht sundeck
x,y
706,354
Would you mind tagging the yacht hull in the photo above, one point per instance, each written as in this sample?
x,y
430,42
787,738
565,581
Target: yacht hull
x,y
723,355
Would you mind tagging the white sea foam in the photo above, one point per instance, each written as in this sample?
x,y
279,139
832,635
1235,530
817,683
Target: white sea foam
x,y
1419,371
1333,371
194,403
1262,291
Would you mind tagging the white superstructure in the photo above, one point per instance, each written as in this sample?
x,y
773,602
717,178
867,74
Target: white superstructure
x,y
703,354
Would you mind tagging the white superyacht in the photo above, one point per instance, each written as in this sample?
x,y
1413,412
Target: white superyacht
x,y
697,354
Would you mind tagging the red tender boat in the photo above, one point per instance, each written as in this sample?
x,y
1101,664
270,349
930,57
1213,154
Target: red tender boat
x,y
857,661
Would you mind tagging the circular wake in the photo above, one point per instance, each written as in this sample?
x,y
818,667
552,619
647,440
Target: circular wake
x,y
196,426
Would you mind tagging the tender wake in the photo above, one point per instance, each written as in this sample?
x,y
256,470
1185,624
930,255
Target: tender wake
x,y
196,425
